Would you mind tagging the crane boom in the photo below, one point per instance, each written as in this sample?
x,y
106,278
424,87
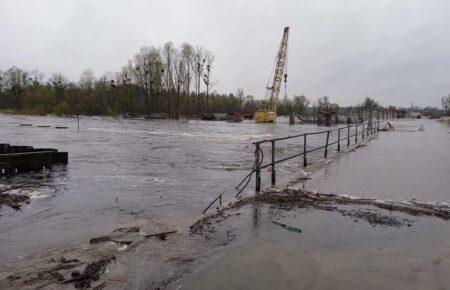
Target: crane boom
x,y
279,70
269,114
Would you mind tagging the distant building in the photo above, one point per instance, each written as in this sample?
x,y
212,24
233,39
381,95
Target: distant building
x,y
398,113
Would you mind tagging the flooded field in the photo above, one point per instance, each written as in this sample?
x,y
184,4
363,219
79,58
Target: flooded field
x,y
123,171
159,175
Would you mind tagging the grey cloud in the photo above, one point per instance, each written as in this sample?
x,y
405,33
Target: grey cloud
x,y
394,51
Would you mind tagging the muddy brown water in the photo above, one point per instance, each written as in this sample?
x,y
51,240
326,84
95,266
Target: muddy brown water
x,y
124,171
336,251
398,165
331,252
163,173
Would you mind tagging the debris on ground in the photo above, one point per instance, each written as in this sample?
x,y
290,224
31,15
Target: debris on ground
x,y
162,236
91,273
203,225
367,209
375,218
14,201
329,201
128,230
98,240
289,228
80,268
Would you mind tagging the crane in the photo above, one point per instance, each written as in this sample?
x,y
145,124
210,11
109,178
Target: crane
x,y
269,112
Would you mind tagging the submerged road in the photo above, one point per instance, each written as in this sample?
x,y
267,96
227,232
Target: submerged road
x,y
341,250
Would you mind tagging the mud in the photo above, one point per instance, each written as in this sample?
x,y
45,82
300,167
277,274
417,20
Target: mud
x,y
298,197
14,201
375,218
371,211
81,267
205,226
91,273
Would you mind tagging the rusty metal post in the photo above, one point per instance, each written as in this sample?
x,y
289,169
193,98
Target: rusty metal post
x,y
326,145
356,134
348,136
257,168
304,151
363,132
273,163
339,140
378,126
78,122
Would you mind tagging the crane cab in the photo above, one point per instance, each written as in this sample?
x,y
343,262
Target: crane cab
x,y
264,116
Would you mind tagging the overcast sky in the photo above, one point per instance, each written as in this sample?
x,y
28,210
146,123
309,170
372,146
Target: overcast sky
x,y
396,51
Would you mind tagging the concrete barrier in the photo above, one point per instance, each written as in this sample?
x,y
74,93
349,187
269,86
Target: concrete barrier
x,y
19,159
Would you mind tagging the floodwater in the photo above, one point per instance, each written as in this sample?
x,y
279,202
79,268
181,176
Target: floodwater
x,y
397,165
122,171
331,252
335,251
164,173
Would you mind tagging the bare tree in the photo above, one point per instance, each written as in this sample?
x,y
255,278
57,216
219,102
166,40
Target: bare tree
x,y
199,64
240,95
300,104
187,57
178,77
59,84
446,104
323,104
168,55
87,83
209,59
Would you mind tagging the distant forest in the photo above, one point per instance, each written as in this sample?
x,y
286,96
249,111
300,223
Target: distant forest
x,y
169,81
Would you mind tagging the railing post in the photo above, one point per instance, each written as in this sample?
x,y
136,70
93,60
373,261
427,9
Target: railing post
x,y
257,168
273,163
356,134
348,136
378,125
339,140
304,151
326,145
363,132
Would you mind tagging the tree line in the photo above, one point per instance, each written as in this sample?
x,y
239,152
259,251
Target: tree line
x,y
167,81
171,81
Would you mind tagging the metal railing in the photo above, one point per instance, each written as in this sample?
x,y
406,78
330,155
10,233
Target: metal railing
x,y
367,129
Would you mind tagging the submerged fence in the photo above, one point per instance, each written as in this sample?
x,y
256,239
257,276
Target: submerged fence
x,y
345,136
366,129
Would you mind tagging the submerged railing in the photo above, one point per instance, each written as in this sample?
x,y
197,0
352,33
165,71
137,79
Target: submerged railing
x,y
367,129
